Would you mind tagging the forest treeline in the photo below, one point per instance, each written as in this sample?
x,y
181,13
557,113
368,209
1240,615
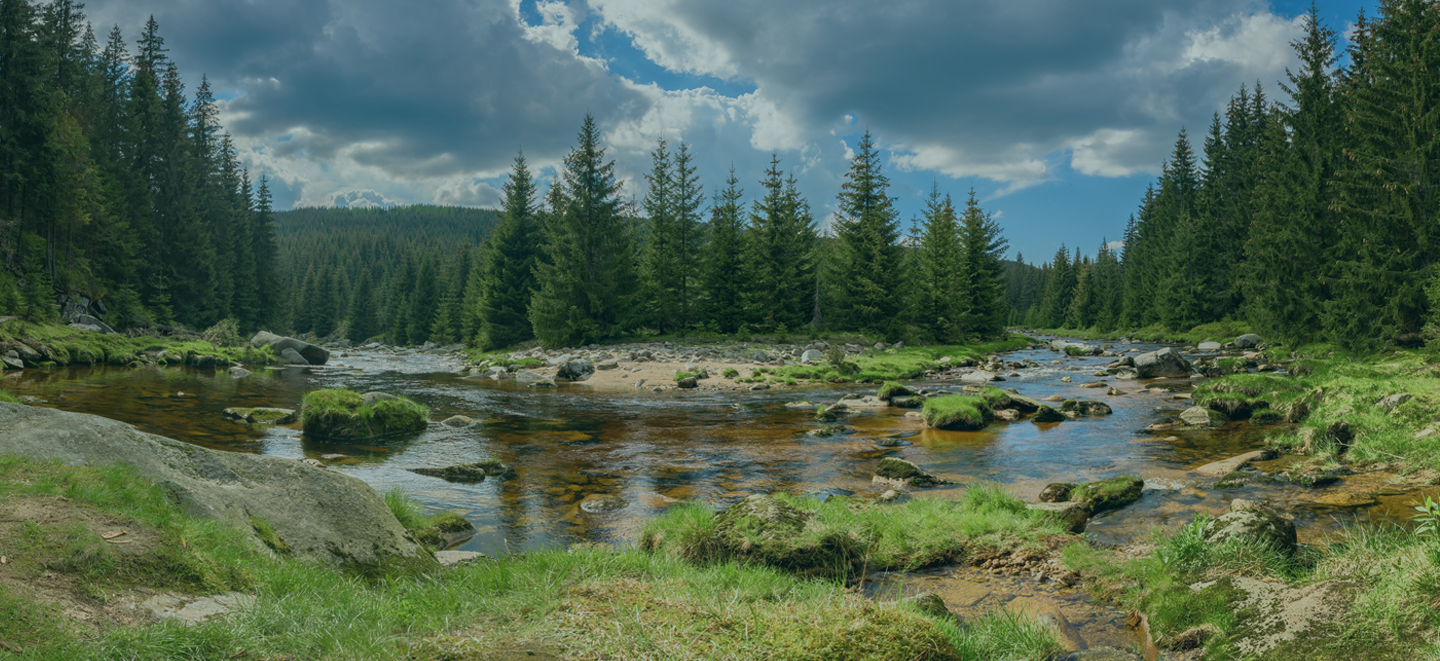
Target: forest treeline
x,y
1313,220
118,185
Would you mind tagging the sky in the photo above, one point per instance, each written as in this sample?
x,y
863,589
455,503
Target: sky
x,y
1056,113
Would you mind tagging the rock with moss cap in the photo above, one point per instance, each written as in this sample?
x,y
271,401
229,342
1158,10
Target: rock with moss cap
x,y
261,415
899,473
766,529
958,412
1111,494
1253,524
468,473
348,415
1045,413
892,389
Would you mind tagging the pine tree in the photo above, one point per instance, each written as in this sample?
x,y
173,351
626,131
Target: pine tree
x,y
868,228
586,286
941,277
1059,289
687,197
508,279
660,258
724,281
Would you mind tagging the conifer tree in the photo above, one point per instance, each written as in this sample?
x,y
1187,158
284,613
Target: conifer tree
x,y
985,248
660,258
941,278
1059,289
779,243
508,280
724,281
868,230
363,323
586,285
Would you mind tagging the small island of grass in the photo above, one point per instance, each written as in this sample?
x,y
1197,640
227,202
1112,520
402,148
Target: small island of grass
x,y
347,415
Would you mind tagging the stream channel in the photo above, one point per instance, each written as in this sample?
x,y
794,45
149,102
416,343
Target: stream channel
x,y
654,449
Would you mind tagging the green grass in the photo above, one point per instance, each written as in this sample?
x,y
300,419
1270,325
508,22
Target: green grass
x,y
958,412
65,345
427,530
682,375
898,364
582,603
342,414
7,397
1222,331
919,533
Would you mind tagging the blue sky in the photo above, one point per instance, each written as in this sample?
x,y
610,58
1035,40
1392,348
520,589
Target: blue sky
x,y
1056,113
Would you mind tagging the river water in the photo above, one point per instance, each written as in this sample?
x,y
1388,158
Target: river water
x,y
655,449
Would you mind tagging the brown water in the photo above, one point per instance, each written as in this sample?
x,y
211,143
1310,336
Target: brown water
x,y
655,449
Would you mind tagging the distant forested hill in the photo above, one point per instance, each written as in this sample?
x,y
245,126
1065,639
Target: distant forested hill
x,y
408,259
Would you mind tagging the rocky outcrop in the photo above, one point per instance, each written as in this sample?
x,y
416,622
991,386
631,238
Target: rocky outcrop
x,y
319,514
310,353
1166,362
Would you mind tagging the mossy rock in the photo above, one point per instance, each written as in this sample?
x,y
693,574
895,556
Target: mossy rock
x,y
824,414
899,472
1046,413
911,402
1111,494
1266,417
958,412
441,530
826,431
766,530
995,397
347,415
1253,525
468,473
892,389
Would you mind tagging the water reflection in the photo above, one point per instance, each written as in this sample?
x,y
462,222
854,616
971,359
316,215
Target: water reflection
x,y
655,449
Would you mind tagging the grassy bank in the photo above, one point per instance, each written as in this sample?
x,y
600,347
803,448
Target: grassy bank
x,y
1387,579
582,604
63,345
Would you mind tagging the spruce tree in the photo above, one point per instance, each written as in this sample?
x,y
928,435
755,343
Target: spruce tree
x,y
724,281
586,286
868,228
779,243
941,278
660,257
985,248
508,279
363,322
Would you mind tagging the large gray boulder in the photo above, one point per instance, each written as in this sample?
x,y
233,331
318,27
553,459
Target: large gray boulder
x,y
319,514
312,354
87,320
1247,341
1166,362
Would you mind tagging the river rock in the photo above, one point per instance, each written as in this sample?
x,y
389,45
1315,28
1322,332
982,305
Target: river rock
x,y
688,382
607,365
239,372
1074,515
468,473
319,514
261,415
1056,492
928,603
979,376
310,353
899,474
1047,414
812,356
290,356
1256,525
374,396
1247,341
1111,494
12,361
1389,403
1166,362
577,369
457,558
458,421
1209,346
599,503
1199,416
1024,404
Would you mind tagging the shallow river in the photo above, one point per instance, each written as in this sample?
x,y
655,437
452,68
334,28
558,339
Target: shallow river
x,y
654,449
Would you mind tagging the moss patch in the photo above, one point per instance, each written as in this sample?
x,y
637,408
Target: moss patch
x,y
958,412
1110,494
344,415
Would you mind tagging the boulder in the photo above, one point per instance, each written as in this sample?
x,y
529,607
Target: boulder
x,y
978,376
1073,515
345,415
1247,341
1056,492
239,372
319,514
261,415
688,382
607,365
1110,494
1209,346
1166,362
1253,525
1199,416
1024,404
12,361
312,354
899,473
812,356
1389,403
1091,407
577,369
1047,414
290,356
96,324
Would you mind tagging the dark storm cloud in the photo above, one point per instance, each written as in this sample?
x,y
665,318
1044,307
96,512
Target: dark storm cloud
x,y
414,89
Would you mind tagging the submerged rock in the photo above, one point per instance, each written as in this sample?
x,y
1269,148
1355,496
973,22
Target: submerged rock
x,y
468,473
899,474
458,421
261,415
598,503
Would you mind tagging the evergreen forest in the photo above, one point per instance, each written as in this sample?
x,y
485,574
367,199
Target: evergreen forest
x,y
1314,218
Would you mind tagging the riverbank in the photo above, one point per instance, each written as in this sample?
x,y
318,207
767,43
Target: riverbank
x,y
26,344
88,579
